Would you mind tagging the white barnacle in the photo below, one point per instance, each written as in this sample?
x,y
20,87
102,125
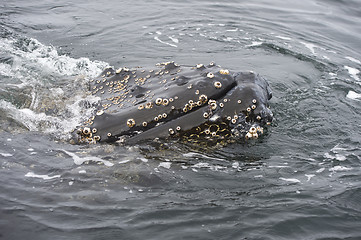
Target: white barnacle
x,y
100,112
188,106
205,115
118,70
253,130
144,124
254,101
158,101
233,121
210,75
178,128
165,101
249,109
255,135
221,105
171,131
149,105
164,115
214,105
86,131
199,65
229,118
94,130
109,134
203,98
258,118
218,84
253,107
224,71
239,101
130,122
248,135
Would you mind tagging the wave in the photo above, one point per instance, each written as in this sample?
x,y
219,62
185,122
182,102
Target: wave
x,y
42,90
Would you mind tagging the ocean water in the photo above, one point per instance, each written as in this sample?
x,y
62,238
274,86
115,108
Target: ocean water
x,y
301,181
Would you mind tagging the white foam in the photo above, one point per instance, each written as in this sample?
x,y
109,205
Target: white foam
x,y
58,125
338,157
78,160
124,161
45,59
279,166
166,165
340,168
169,44
235,165
6,154
353,72
353,95
208,166
143,159
310,46
45,177
214,118
353,60
199,155
292,180
175,40
309,176
253,44
232,30
283,38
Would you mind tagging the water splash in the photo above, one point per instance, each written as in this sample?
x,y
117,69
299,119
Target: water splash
x,y
42,90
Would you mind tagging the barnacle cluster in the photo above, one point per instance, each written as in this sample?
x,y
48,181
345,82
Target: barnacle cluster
x,y
135,101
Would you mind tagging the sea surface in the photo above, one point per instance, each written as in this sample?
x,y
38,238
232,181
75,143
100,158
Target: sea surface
x,y
301,181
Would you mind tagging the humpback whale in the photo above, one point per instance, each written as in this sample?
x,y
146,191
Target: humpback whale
x,y
196,103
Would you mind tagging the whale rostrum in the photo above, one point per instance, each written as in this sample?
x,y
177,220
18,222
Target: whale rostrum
x,y
171,101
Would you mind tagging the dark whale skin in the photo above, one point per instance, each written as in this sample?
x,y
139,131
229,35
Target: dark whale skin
x,y
173,101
